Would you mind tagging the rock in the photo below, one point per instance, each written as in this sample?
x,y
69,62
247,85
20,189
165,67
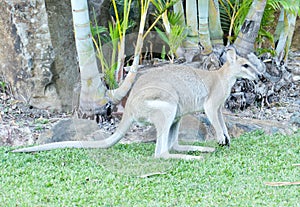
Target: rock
x,y
295,119
199,129
26,52
192,129
71,129
237,126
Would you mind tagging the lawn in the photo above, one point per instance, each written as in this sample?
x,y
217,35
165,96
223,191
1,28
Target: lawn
x,y
128,175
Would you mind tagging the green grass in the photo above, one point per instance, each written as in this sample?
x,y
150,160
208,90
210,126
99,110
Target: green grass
x,y
228,177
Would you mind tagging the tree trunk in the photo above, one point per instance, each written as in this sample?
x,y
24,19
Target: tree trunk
x,y
196,19
192,23
203,26
249,31
284,34
92,89
215,29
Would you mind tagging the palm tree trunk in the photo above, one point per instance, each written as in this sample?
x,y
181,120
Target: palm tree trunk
x,y
92,89
249,31
284,34
203,26
192,23
196,20
292,23
279,26
215,29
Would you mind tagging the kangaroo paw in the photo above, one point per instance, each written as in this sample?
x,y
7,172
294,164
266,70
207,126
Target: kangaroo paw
x,y
225,142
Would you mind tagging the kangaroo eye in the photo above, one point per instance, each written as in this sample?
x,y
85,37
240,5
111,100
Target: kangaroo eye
x,y
245,65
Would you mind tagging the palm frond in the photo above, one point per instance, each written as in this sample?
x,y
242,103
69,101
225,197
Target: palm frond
x,y
225,16
163,5
162,35
233,14
290,6
175,18
242,10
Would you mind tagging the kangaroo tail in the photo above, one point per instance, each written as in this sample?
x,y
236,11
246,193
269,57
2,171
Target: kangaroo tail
x,y
106,143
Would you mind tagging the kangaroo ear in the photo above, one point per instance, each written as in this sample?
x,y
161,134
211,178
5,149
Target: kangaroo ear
x,y
231,55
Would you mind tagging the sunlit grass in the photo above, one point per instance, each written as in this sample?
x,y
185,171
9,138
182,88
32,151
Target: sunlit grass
x,y
228,177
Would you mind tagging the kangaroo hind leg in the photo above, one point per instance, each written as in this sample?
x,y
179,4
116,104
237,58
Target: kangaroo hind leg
x,y
167,134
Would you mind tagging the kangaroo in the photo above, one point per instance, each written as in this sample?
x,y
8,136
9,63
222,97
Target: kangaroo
x,y
164,95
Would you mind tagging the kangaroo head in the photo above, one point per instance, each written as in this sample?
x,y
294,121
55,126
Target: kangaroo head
x,y
242,67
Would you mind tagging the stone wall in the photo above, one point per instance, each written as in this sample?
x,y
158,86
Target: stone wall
x,y
26,52
37,51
